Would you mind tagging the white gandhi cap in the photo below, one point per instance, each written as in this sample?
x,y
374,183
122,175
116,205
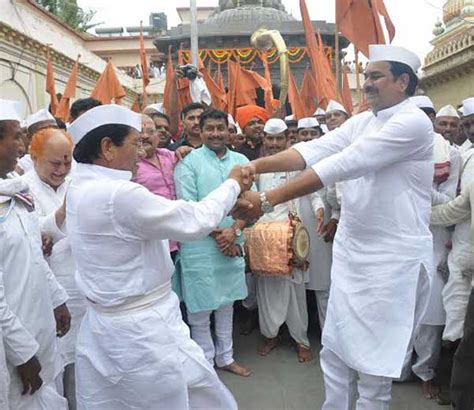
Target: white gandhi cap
x,y
275,126
39,116
468,106
10,110
447,111
335,106
319,111
310,122
422,101
385,52
104,115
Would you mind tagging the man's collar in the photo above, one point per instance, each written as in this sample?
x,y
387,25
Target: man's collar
x,y
386,113
93,170
213,154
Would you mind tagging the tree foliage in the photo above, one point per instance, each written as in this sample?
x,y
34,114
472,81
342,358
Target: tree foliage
x,y
70,13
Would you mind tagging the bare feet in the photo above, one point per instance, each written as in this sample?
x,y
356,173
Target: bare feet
x,y
268,346
305,354
237,369
430,389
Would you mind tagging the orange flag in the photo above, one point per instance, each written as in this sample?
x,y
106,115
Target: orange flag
x,y
218,95
346,93
108,86
294,97
168,82
220,77
322,72
69,92
143,64
351,15
308,93
268,89
184,96
50,88
136,106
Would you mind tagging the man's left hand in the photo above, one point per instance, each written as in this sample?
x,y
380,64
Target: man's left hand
x,y
47,245
225,238
63,320
182,151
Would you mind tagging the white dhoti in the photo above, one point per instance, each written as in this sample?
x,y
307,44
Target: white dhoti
x,y
4,377
46,398
250,302
343,383
222,350
427,347
281,300
143,357
322,298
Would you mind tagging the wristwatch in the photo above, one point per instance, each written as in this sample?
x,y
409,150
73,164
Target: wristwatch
x,y
237,231
266,206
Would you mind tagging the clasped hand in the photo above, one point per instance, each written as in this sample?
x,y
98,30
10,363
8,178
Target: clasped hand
x,y
248,207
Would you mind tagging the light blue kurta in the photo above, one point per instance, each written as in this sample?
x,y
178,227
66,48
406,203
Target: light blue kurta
x,y
205,278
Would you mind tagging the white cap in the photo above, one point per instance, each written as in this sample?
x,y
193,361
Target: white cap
x,y
155,107
422,101
325,128
275,126
104,115
447,111
335,106
310,122
231,120
290,117
39,116
468,107
319,111
386,52
10,110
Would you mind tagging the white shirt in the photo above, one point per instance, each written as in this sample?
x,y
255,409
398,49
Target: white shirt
x,y
47,202
30,289
119,231
383,238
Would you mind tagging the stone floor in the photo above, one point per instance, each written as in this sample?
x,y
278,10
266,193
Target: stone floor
x,y
279,382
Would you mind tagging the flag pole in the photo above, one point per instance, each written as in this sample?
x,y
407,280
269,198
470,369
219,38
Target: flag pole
x,y
359,89
338,60
194,32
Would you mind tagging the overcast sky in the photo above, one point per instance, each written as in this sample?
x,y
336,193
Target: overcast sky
x,y
414,24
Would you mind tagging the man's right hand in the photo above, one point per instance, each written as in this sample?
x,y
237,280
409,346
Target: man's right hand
x,y
243,177
30,375
178,74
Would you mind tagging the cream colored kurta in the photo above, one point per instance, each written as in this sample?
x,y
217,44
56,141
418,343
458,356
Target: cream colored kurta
x,y
383,240
31,292
61,262
134,350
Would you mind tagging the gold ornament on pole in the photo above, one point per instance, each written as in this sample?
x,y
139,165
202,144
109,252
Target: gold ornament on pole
x,y
264,40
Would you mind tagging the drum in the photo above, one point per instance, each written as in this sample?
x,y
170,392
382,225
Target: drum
x,y
277,248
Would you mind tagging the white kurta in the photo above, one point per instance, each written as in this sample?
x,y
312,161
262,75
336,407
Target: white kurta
x,y
457,290
31,293
134,350
441,193
47,202
383,240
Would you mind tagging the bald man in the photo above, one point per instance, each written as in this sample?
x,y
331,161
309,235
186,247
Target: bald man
x,y
51,152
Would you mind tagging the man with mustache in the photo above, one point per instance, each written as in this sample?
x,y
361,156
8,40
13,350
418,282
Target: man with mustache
x,y
191,135
448,124
382,254
211,271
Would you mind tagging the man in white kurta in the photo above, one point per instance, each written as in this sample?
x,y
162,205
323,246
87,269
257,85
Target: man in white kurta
x,y
29,293
134,350
382,252
51,151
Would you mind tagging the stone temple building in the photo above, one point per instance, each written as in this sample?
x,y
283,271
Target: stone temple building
x,y
227,30
449,67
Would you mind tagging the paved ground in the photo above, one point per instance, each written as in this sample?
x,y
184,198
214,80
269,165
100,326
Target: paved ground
x,y
279,382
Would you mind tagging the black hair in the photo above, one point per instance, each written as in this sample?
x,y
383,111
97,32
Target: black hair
x,y
82,105
160,115
190,107
291,123
88,148
397,69
61,124
430,112
213,114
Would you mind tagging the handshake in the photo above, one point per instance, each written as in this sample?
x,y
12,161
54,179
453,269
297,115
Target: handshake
x,y
248,206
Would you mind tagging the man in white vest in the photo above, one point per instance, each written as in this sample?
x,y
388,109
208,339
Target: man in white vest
x,y
383,249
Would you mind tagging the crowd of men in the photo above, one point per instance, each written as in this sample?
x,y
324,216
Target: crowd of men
x,y
123,248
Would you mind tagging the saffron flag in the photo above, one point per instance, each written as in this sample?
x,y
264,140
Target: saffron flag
x,y
184,96
351,15
108,86
218,95
308,93
346,93
69,92
50,87
294,97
